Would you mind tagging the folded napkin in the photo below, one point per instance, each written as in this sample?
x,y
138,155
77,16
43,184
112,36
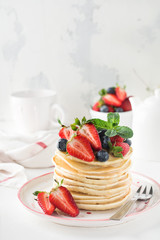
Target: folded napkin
x,y
17,152
35,151
12,174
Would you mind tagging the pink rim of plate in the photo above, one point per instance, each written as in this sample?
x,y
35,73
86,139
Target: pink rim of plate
x,y
77,219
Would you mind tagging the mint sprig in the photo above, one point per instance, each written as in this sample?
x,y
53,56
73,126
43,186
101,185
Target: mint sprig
x,y
111,126
100,124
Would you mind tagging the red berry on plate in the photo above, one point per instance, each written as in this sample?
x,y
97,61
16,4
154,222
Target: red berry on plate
x,y
89,131
111,99
80,147
110,109
96,107
63,200
116,138
66,132
44,203
121,93
125,147
126,105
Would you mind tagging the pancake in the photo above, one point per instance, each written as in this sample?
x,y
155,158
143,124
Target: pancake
x,y
95,185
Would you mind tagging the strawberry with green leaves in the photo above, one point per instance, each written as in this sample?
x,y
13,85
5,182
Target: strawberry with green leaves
x,y
62,199
119,149
66,132
44,203
59,197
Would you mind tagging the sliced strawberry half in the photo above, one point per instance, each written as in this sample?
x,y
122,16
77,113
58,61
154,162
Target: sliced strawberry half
x,y
63,200
126,105
89,131
96,107
80,147
121,93
44,203
111,99
66,132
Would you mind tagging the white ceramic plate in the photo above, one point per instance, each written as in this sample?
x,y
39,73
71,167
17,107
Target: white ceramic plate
x,y
86,218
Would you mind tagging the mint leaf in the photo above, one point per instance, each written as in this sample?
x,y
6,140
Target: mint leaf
x,y
124,132
102,92
100,124
111,133
113,118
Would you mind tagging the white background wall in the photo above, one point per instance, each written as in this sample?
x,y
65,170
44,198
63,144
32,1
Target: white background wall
x,y
77,47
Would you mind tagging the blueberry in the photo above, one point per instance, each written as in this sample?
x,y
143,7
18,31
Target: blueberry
x,y
118,109
128,141
101,134
111,90
104,142
104,108
102,156
62,144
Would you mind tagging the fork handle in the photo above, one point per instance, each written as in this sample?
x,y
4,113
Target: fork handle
x,y
122,212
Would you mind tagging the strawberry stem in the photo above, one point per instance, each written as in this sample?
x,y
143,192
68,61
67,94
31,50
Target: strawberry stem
x,y
58,184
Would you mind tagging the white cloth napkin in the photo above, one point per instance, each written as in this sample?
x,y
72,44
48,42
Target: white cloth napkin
x,y
12,175
34,151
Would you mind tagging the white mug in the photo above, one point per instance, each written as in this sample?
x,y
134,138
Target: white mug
x,y
35,110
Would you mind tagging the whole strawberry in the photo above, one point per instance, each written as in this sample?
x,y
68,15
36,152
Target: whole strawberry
x,y
126,105
116,138
125,147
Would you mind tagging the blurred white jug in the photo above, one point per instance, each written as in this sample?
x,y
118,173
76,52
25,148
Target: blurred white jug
x,y
146,127
35,110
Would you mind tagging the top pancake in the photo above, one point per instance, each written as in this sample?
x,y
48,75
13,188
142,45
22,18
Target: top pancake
x,y
111,161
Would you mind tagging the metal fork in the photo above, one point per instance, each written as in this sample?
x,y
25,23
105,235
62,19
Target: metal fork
x,y
122,212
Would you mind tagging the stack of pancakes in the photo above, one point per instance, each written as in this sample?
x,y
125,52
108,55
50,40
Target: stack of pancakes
x,y
95,185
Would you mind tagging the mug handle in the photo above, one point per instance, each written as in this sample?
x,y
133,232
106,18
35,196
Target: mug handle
x,y
56,108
